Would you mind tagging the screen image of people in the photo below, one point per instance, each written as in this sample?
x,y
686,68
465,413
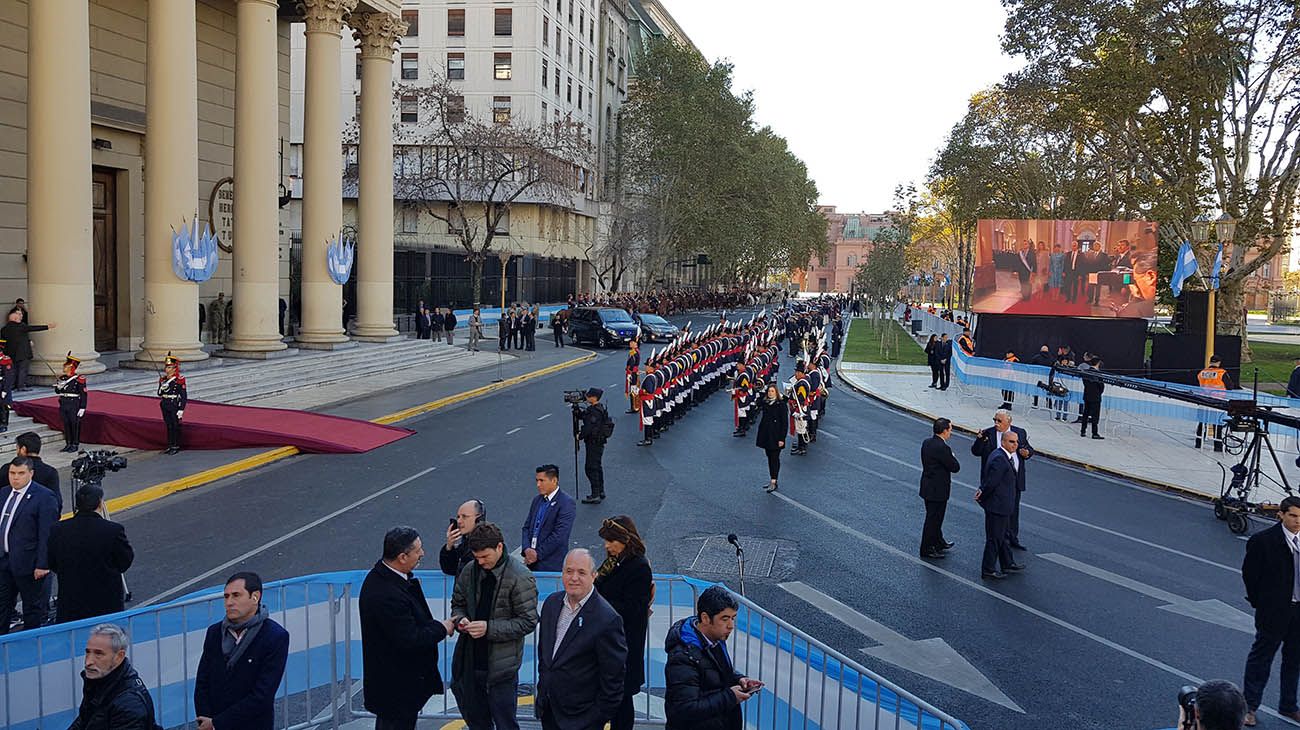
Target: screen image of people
x,y
1066,267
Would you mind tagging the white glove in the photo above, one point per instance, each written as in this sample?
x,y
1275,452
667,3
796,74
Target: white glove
x,y
81,413
180,414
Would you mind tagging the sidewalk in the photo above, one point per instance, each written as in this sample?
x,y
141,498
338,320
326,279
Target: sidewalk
x,y
1132,450
389,396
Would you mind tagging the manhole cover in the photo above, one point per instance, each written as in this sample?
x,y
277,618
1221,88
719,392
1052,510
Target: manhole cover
x,y
719,557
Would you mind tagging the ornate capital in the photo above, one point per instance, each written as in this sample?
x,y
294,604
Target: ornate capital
x,y
325,16
376,34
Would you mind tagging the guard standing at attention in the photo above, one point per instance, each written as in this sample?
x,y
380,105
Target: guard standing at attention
x,y
172,397
6,387
631,373
71,390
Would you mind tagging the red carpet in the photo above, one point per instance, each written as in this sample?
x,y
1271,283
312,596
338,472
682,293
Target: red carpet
x,y
1050,307
134,421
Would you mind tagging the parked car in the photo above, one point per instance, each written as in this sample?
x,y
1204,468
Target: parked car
x,y
655,328
603,326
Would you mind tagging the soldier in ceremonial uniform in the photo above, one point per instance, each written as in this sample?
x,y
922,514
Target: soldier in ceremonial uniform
x,y
172,397
647,397
742,393
71,390
800,395
630,372
7,374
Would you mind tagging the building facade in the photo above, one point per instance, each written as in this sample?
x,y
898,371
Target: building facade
x,y
850,236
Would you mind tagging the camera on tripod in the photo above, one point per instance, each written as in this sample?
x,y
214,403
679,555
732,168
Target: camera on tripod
x,y
1054,388
90,467
576,398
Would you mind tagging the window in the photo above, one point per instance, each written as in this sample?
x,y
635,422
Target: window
x,y
357,114
503,223
569,92
821,261
501,109
410,66
591,33
579,96
501,66
557,84
455,109
589,104
410,109
456,23
570,51
570,12
546,32
821,283
504,21
412,20
581,60
453,218
456,66
591,67
546,75
543,112
558,35
582,22
410,220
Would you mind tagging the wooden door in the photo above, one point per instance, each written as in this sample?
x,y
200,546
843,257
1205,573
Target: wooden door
x,y
104,200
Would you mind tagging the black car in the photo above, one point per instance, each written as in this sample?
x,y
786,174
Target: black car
x,y
603,326
655,328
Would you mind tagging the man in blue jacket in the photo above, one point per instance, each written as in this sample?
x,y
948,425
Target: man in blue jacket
x,y
550,520
704,689
242,664
986,444
997,495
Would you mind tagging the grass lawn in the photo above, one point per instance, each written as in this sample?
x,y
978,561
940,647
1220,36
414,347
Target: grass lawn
x,y
863,343
1275,362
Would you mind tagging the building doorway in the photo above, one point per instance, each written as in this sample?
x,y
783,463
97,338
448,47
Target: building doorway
x,y
104,201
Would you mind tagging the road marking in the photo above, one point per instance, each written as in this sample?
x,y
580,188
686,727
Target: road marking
x,y
611,386
822,431
470,451
932,658
515,430
1211,611
158,491
287,536
1066,518
543,418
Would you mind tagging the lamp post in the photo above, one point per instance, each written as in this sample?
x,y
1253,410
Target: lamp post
x,y
505,260
1225,227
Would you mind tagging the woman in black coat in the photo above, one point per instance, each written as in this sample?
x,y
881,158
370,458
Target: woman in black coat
x,y
772,428
932,359
625,581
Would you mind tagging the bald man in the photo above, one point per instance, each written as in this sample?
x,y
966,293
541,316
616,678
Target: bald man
x,y
454,555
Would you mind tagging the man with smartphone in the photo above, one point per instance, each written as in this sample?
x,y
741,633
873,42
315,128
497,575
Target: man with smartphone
x,y
454,555
704,689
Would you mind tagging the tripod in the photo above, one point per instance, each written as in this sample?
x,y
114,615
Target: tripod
x,y
576,414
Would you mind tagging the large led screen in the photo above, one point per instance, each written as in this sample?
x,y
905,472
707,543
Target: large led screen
x,y
1066,268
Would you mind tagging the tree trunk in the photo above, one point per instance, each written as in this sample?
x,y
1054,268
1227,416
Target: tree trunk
x,y
1230,315
476,279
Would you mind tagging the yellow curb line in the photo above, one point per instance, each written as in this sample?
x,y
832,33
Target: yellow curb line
x,y
157,491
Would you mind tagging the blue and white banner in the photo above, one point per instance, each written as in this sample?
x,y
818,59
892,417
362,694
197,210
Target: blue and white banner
x,y
194,256
1184,268
339,257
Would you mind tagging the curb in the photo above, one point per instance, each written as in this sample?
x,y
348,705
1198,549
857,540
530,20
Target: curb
x,y
158,491
1143,481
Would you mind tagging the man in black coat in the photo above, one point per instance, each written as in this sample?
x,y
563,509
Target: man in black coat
x,y
29,445
945,361
581,652
1271,573
986,444
242,663
18,345
938,464
1025,264
399,636
27,512
89,554
592,434
1092,390
113,697
454,555
704,690
1074,263
997,496
1293,385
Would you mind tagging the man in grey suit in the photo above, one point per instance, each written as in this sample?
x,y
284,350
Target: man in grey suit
x,y
997,495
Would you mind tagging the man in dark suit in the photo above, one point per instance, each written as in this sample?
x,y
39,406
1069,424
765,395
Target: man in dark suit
x,y
1271,572
549,522
1097,262
16,334
938,464
986,445
89,554
1025,264
1074,262
581,652
1093,387
242,663
997,496
29,445
1293,385
945,360
27,512
399,636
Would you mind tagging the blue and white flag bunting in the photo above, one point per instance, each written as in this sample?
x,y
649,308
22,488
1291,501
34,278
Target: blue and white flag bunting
x,y
1218,266
1184,268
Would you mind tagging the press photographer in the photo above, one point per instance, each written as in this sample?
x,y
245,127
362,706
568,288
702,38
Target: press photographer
x,y
592,426
1215,705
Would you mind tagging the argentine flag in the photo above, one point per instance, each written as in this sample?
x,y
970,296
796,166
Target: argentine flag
x,y
1184,267
1218,266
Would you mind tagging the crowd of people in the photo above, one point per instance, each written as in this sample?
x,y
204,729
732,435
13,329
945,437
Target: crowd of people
x,y
667,302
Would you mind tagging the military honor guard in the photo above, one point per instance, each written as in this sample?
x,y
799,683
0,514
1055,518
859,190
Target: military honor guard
x,y
172,397
71,390
631,371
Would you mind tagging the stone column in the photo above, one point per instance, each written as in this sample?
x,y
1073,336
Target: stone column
x,y
171,180
322,204
60,278
376,34
255,266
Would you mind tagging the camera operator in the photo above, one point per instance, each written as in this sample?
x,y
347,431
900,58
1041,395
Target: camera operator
x,y
1215,705
594,431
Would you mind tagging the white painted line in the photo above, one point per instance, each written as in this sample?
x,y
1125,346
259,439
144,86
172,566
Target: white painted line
x,y
543,418
611,386
470,451
514,430
821,431
1066,518
287,536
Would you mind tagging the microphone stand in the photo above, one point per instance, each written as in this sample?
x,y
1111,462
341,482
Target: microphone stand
x,y
740,564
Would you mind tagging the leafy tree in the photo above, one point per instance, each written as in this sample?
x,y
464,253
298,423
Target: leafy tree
x,y
884,271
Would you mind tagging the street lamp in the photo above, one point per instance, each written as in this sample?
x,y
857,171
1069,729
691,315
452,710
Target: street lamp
x,y
505,260
1225,228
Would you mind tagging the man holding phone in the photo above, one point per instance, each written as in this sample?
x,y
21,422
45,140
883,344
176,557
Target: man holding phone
x,y
704,689
454,555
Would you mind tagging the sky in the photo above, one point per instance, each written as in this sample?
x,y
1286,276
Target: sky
x,y
865,91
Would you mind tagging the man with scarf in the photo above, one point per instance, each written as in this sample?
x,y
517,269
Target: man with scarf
x,y
242,663
113,697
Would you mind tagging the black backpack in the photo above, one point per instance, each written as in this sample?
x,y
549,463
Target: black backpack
x,y
606,425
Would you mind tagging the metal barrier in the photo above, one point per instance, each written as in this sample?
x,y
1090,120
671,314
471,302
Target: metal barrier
x,y
808,685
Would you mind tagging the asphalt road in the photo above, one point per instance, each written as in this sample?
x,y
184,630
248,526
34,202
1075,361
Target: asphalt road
x,y
1078,640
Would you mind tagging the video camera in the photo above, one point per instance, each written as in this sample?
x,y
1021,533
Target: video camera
x,y
1054,388
90,467
575,397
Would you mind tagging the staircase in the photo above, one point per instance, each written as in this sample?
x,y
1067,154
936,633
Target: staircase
x,y
245,382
